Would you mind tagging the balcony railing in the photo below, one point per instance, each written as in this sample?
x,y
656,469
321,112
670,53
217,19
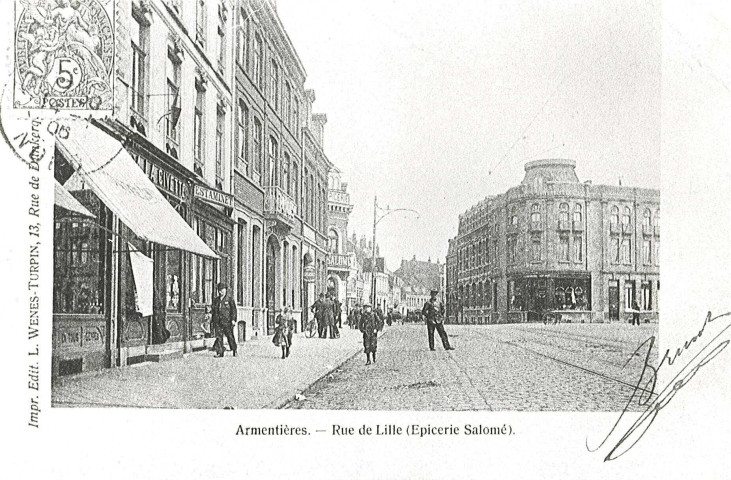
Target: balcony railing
x,y
279,205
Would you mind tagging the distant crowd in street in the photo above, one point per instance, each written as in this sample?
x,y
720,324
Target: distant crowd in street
x,y
328,312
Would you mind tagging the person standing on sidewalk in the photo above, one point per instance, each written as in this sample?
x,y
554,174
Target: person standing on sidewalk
x,y
285,329
433,311
317,310
328,316
337,316
223,318
369,326
635,313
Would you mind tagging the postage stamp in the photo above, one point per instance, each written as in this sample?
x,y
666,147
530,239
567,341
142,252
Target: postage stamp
x,y
64,55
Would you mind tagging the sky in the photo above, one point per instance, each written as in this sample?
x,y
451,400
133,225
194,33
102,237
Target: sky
x,y
434,105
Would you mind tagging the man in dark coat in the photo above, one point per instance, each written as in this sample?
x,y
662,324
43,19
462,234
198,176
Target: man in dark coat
x,y
433,311
328,316
370,324
635,313
318,309
223,318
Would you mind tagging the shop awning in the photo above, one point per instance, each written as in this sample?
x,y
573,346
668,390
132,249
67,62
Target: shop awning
x,y
111,173
65,200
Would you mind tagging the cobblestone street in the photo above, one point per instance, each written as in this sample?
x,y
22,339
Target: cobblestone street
x,y
504,367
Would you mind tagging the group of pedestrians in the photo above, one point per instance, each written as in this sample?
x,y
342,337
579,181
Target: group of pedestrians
x,y
328,313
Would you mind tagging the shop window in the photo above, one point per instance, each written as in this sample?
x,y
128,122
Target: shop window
x,y
172,280
80,250
572,294
515,296
646,296
564,247
629,294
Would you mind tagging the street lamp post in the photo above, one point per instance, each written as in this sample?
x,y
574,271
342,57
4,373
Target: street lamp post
x,y
376,219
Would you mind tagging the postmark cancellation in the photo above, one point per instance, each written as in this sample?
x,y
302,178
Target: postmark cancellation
x,y
64,55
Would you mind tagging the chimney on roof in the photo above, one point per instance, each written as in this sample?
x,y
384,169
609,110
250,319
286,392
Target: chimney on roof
x,y
413,259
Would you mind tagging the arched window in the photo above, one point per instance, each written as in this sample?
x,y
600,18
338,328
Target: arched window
x,y
563,213
514,216
627,217
333,241
578,214
647,218
535,213
614,216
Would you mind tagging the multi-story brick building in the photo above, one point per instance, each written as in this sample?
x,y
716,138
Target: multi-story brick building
x,y
172,115
210,104
280,171
553,245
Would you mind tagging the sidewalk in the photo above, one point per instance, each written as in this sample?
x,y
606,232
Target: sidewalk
x,y
258,378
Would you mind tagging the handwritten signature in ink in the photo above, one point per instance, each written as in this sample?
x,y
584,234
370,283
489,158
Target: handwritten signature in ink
x,y
644,391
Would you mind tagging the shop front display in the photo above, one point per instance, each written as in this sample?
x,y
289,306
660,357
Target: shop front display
x,y
132,253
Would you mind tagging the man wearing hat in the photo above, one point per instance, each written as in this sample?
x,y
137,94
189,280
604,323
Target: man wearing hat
x,y
318,308
223,318
433,311
369,326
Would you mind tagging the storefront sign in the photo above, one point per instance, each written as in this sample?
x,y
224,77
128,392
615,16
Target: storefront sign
x,y
215,197
309,275
164,180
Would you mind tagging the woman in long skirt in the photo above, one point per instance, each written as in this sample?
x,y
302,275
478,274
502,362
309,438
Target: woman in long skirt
x,y
285,329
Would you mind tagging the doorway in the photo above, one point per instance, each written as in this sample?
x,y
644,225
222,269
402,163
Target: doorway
x,y
614,300
271,283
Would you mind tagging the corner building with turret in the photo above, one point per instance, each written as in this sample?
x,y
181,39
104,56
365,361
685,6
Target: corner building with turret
x,y
553,247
